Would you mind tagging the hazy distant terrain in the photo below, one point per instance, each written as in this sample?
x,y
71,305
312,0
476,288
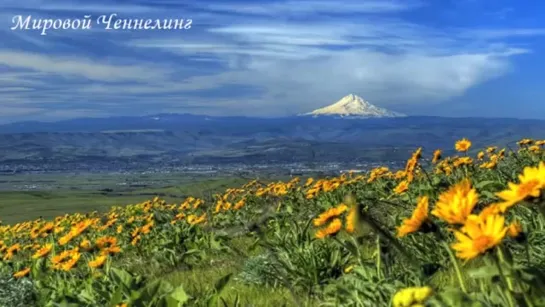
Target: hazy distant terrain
x,y
171,139
30,196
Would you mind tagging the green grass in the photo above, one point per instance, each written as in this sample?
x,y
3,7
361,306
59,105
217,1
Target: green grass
x,y
81,194
258,247
200,280
61,194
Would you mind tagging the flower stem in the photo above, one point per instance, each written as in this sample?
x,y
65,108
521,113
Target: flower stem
x,y
456,267
427,175
541,209
505,279
379,256
509,281
527,300
501,259
366,218
528,257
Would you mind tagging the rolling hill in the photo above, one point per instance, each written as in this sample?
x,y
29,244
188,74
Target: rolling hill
x,y
183,138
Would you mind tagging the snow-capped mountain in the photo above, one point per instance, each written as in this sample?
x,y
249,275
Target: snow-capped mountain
x,y
353,106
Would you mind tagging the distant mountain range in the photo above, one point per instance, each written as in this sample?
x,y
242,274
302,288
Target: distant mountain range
x,y
353,106
324,135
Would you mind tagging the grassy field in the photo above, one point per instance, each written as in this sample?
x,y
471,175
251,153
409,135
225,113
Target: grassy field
x,y
27,197
456,231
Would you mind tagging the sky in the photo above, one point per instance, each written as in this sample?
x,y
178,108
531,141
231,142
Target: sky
x,y
478,58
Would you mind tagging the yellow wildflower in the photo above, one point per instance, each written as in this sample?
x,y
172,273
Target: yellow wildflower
x,y
419,216
98,261
42,252
462,145
22,273
514,229
323,218
479,235
333,228
351,219
456,204
413,296
402,187
532,180
436,156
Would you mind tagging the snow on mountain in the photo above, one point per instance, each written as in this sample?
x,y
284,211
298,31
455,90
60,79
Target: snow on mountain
x,y
354,106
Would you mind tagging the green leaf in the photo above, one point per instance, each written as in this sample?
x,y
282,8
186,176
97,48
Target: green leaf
x,y
222,282
289,209
121,277
191,251
68,302
214,244
352,247
236,303
481,185
87,294
334,257
155,290
171,302
483,272
179,295
488,194
456,298
116,298
213,301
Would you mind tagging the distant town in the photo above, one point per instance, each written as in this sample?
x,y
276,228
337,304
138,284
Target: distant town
x,y
141,167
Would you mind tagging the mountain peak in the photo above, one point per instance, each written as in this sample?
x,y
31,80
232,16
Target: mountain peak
x,y
354,106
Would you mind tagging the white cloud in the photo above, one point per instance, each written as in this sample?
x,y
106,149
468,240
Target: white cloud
x,y
304,66
70,6
504,33
313,7
384,79
77,67
309,55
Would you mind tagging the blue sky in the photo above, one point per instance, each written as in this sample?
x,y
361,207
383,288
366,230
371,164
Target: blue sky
x,y
276,58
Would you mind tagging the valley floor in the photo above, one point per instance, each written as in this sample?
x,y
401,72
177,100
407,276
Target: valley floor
x,y
466,230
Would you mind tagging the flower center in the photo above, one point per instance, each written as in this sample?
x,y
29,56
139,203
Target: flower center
x,y
482,243
527,188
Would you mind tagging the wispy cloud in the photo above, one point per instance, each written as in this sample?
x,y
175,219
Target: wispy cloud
x,y
74,67
505,33
271,58
85,7
313,7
